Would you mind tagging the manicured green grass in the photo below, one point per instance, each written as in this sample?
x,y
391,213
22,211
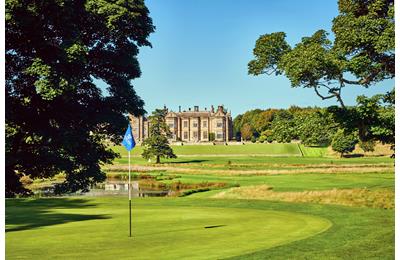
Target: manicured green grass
x,y
197,160
266,149
313,151
301,182
97,229
175,229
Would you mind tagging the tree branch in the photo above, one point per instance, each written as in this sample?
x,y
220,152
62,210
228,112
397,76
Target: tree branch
x,y
321,96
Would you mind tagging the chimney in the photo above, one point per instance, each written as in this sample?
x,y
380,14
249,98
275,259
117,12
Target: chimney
x,y
196,108
212,109
179,109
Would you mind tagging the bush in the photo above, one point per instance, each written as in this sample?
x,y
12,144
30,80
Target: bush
x,y
343,142
262,139
26,180
211,137
367,146
253,139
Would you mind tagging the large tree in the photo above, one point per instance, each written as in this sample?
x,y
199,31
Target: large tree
x,y
362,52
57,119
373,118
157,145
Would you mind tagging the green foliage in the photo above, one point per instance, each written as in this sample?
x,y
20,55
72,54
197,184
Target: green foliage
x,y
258,120
373,118
157,145
364,33
363,50
316,128
57,119
367,146
211,137
283,127
313,126
247,132
268,52
343,142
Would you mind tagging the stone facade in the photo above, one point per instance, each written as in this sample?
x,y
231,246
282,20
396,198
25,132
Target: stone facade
x,y
191,126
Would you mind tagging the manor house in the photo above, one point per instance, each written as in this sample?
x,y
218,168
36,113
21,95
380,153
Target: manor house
x,y
192,126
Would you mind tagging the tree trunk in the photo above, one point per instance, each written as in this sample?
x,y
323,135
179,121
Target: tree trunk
x,y
158,159
341,155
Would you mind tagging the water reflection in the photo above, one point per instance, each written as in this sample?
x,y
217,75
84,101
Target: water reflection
x,y
121,188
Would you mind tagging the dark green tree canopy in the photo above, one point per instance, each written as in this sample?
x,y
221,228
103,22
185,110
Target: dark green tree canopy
x,y
344,142
57,119
361,54
157,145
373,118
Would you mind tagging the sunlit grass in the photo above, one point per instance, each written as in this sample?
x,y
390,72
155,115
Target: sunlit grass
x,y
378,198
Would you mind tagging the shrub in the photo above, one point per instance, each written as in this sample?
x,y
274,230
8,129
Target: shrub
x,y
211,137
367,146
343,142
26,180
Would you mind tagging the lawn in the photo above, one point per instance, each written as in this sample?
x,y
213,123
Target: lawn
x,y
247,149
176,228
160,231
245,223
249,160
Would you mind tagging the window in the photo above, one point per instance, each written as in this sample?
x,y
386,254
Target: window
x,y
219,123
194,124
185,123
205,135
204,123
219,135
185,135
195,135
171,125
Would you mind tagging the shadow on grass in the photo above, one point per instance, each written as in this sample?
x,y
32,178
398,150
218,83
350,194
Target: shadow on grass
x,y
25,214
180,230
355,155
188,161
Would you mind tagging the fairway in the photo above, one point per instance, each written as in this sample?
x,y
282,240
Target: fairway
x,y
98,229
273,207
221,150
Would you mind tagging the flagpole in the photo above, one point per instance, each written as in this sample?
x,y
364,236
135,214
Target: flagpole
x,y
130,199
129,143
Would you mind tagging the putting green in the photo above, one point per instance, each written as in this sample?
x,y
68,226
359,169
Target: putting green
x,y
159,232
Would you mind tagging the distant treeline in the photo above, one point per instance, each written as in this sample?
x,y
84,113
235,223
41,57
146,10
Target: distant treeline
x,y
372,119
310,125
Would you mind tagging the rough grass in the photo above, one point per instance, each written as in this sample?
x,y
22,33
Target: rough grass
x,y
327,170
381,198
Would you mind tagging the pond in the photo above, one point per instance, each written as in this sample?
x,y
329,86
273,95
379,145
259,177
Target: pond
x,y
115,187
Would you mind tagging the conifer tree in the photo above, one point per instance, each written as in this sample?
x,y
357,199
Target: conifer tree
x,y
157,145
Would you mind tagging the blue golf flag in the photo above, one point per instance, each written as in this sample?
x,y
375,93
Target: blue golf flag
x,y
129,141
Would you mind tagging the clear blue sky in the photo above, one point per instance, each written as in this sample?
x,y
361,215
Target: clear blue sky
x,y
201,49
